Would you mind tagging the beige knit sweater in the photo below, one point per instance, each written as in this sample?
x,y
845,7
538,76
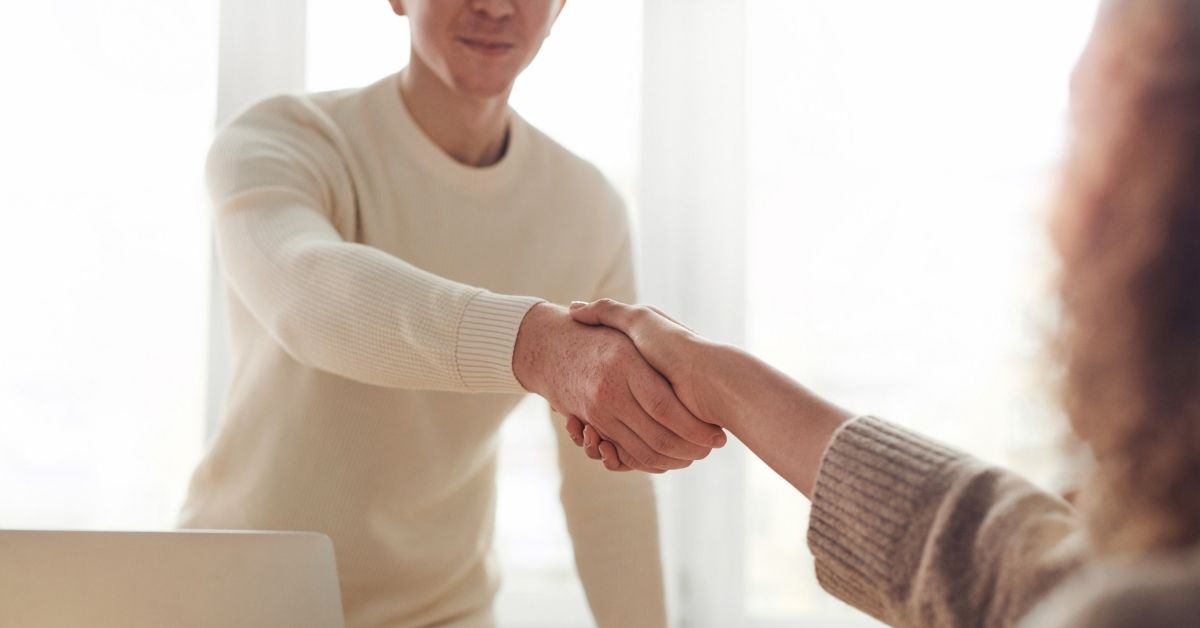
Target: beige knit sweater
x,y
917,534
376,287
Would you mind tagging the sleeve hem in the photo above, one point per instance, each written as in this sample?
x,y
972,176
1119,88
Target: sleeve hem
x,y
487,334
874,479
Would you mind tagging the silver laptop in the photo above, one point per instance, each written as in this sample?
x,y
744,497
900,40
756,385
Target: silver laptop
x,y
192,579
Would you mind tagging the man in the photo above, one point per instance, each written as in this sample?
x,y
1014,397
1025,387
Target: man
x,y
371,241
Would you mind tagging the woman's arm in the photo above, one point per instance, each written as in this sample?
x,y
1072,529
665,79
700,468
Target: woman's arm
x,y
903,528
781,421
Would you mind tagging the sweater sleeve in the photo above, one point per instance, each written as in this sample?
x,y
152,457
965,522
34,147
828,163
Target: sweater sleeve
x,y
613,517
277,178
917,534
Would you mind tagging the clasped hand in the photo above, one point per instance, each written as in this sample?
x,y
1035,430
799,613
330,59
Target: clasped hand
x,y
667,345
624,410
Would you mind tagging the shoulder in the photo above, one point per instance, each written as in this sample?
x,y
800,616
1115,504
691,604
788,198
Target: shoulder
x,y
288,131
287,141
285,119
1159,592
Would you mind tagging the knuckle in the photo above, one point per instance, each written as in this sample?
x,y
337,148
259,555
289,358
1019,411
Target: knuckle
x,y
615,355
597,390
646,459
660,407
661,443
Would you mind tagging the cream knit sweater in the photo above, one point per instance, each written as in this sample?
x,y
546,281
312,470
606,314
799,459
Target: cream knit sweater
x,y
372,340
917,534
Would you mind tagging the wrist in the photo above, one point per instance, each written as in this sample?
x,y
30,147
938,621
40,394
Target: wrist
x,y
718,368
530,352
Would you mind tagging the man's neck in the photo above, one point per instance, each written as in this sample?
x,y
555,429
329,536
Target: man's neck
x,y
474,131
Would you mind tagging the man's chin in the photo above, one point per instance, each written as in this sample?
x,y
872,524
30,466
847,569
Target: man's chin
x,y
486,90
484,85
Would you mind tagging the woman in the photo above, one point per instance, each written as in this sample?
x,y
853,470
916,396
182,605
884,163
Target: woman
x,y
918,534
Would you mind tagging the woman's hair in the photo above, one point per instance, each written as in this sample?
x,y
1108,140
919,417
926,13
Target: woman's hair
x,y
1131,274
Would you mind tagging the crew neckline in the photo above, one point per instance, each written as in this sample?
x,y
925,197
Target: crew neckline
x,y
430,157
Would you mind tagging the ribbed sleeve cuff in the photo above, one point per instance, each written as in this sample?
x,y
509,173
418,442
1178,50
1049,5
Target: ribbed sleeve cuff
x,y
487,334
875,482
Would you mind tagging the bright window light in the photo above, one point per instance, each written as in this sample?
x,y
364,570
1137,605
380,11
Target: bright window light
x,y
104,259
901,157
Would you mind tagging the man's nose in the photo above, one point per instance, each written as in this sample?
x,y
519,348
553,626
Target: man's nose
x,y
494,9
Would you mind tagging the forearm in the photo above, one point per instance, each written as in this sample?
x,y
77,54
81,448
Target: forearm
x,y
359,312
781,421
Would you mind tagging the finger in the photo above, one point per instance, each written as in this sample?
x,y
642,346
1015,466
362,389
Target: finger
x,y
660,438
628,463
625,462
608,454
605,312
609,450
626,459
655,395
645,456
591,443
624,455
575,429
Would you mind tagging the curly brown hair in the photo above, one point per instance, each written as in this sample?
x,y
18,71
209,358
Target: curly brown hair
x,y
1129,227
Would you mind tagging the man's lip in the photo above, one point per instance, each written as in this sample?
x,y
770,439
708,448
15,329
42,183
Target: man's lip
x,y
487,45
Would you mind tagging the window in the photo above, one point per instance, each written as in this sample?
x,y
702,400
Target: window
x,y
104,259
900,158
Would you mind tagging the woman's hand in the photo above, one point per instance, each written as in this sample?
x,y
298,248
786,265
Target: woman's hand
x,y
669,347
781,421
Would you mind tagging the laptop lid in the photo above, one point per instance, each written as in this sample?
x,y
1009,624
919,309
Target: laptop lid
x,y
186,579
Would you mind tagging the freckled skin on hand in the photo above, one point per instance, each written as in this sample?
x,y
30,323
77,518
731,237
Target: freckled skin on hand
x,y
597,375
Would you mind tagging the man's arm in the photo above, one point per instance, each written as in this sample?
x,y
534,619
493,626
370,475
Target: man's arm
x,y
358,312
278,185
277,182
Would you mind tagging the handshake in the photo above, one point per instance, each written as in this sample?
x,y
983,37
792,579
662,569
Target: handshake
x,y
628,379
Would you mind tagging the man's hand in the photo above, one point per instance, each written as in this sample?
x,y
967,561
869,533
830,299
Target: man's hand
x,y
672,349
597,375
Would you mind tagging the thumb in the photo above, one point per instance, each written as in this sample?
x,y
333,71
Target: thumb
x,y
603,312
584,313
